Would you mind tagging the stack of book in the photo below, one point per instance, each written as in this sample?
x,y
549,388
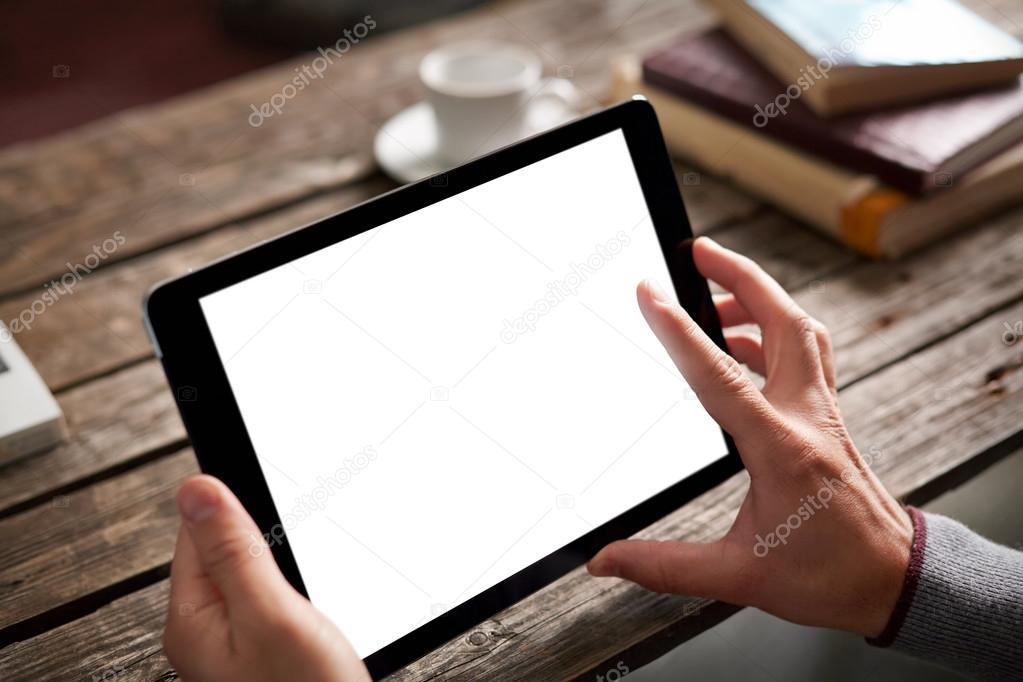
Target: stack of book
x,y
886,124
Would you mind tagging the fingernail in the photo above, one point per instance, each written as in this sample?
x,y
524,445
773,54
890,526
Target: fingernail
x,y
603,568
656,292
198,502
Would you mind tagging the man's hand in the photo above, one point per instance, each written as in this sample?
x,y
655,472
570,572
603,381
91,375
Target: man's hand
x,y
818,540
233,616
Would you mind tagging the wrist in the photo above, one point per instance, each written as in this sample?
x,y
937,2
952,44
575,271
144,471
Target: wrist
x,y
898,569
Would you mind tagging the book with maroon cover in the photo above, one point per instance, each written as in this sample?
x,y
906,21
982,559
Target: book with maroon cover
x,y
917,149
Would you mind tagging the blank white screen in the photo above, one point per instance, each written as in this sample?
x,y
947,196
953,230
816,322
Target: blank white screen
x,y
442,400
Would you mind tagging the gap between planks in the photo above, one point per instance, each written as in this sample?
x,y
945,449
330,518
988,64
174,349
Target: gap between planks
x,y
888,424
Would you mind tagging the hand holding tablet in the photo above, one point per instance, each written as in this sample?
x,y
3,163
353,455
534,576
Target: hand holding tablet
x,y
862,556
818,540
459,369
232,614
456,369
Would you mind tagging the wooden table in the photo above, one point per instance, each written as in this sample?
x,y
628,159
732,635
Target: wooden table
x,y
929,385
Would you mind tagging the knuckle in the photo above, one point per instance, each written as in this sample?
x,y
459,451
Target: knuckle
x,y
822,333
728,372
662,578
797,448
802,323
227,553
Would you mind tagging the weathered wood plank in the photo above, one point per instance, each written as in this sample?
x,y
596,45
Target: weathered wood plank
x,y
919,419
184,167
793,254
876,312
995,387
124,418
114,422
713,204
110,441
97,327
939,408
880,310
118,642
162,173
964,397
62,557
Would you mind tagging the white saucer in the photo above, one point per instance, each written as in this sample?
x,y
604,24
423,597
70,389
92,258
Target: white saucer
x,y
406,146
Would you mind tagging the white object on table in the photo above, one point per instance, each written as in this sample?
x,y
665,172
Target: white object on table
x,y
481,95
30,418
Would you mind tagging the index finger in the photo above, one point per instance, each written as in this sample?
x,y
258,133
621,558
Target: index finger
x,y
790,338
728,395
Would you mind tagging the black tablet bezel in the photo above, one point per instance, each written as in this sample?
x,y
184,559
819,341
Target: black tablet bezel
x,y
218,434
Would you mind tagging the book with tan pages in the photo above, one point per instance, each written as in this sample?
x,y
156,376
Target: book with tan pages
x,y
917,149
852,207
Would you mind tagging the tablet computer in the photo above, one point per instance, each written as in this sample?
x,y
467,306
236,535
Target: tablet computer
x,y
441,400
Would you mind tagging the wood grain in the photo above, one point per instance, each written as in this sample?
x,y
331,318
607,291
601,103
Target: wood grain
x,y
769,238
953,412
123,419
918,419
160,174
97,327
117,642
125,416
931,390
72,554
163,173
877,312
794,255
128,417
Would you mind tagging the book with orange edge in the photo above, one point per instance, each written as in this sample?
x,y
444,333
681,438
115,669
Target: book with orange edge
x,y
852,207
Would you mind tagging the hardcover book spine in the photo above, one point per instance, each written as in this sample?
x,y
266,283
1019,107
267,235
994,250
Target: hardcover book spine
x,y
789,130
848,207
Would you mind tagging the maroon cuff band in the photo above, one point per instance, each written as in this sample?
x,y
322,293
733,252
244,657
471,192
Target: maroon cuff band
x,y
916,565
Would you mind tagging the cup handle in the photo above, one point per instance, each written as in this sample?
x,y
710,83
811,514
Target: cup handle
x,y
560,89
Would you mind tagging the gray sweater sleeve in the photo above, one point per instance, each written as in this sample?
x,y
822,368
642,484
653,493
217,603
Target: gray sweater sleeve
x,y
962,602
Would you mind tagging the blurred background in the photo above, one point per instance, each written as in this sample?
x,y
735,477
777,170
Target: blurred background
x,y
125,54
132,116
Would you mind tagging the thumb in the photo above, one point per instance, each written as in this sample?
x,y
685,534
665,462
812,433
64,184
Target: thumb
x,y
693,569
229,547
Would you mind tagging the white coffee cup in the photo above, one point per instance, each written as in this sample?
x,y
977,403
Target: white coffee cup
x,y
482,92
